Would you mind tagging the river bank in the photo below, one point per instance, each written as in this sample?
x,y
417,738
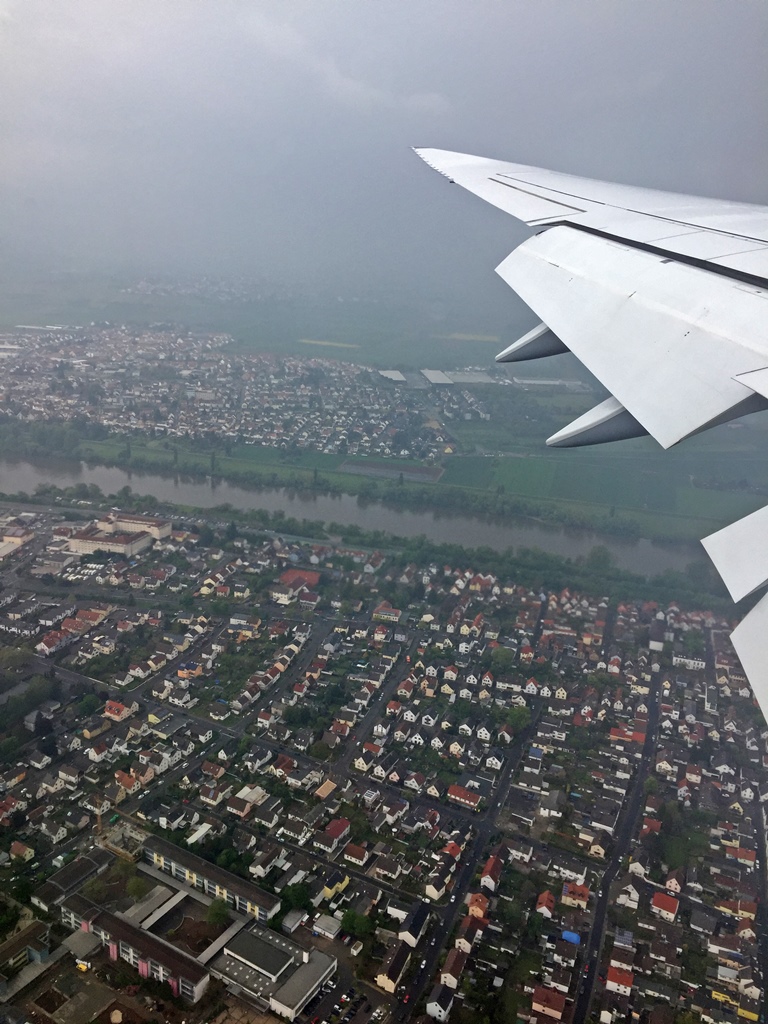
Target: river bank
x,y
640,556
624,494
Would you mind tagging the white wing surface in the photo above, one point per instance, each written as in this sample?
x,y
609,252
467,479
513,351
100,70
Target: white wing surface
x,y
664,298
716,230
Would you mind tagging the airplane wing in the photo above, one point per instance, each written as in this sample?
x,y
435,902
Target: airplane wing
x,y
664,298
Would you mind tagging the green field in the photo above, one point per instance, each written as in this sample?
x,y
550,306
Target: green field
x,y
245,458
657,485
688,491
644,485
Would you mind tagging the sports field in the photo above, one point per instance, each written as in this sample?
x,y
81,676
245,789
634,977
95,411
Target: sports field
x,y
327,344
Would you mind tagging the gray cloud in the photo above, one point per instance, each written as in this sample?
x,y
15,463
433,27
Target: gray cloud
x,y
245,136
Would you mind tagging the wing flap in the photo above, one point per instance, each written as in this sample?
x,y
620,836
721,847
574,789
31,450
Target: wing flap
x,y
708,245
754,263
748,641
666,339
740,554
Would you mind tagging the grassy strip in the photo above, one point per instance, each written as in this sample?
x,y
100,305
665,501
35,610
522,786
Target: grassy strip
x,y
620,492
571,492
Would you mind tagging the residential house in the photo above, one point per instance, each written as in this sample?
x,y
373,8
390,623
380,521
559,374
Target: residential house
x,y
439,1002
393,967
664,906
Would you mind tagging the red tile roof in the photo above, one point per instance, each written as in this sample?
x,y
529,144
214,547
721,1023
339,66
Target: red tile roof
x,y
664,903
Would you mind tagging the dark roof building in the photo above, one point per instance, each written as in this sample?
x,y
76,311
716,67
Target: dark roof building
x,y
414,925
393,967
151,956
71,877
190,869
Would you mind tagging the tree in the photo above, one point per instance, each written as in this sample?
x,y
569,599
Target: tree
x,y
687,1017
296,897
22,890
13,657
43,726
534,927
137,887
122,870
9,916
88,705
502,660
9,748
47,746
217,914
518,717
18,818
226,858
96,890
357,924
693,643
599,559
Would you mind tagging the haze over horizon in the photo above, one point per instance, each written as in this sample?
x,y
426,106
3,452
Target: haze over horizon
x,y
262,140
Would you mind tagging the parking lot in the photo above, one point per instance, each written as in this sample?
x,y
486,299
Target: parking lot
x,y
337,1003
344,998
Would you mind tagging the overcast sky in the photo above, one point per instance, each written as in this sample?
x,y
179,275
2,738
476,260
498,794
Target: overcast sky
x,y
249,137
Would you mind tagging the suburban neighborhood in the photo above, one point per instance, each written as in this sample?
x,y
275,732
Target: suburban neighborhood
x,y
326,783
181,385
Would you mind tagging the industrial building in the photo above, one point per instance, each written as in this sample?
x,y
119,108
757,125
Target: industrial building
x,y
273,971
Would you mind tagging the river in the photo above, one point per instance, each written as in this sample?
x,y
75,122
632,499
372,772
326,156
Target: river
x,y
641,556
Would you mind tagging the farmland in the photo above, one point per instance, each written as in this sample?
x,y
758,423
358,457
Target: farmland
x,y
671,496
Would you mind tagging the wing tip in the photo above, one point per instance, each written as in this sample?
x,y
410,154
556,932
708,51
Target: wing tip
x,y
428,156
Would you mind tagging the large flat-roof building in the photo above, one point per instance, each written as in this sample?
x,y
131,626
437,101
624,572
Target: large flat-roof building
x,y
151,956
31,945
125,522
91,539
272,970
268,958
189,869
69,878
119,533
